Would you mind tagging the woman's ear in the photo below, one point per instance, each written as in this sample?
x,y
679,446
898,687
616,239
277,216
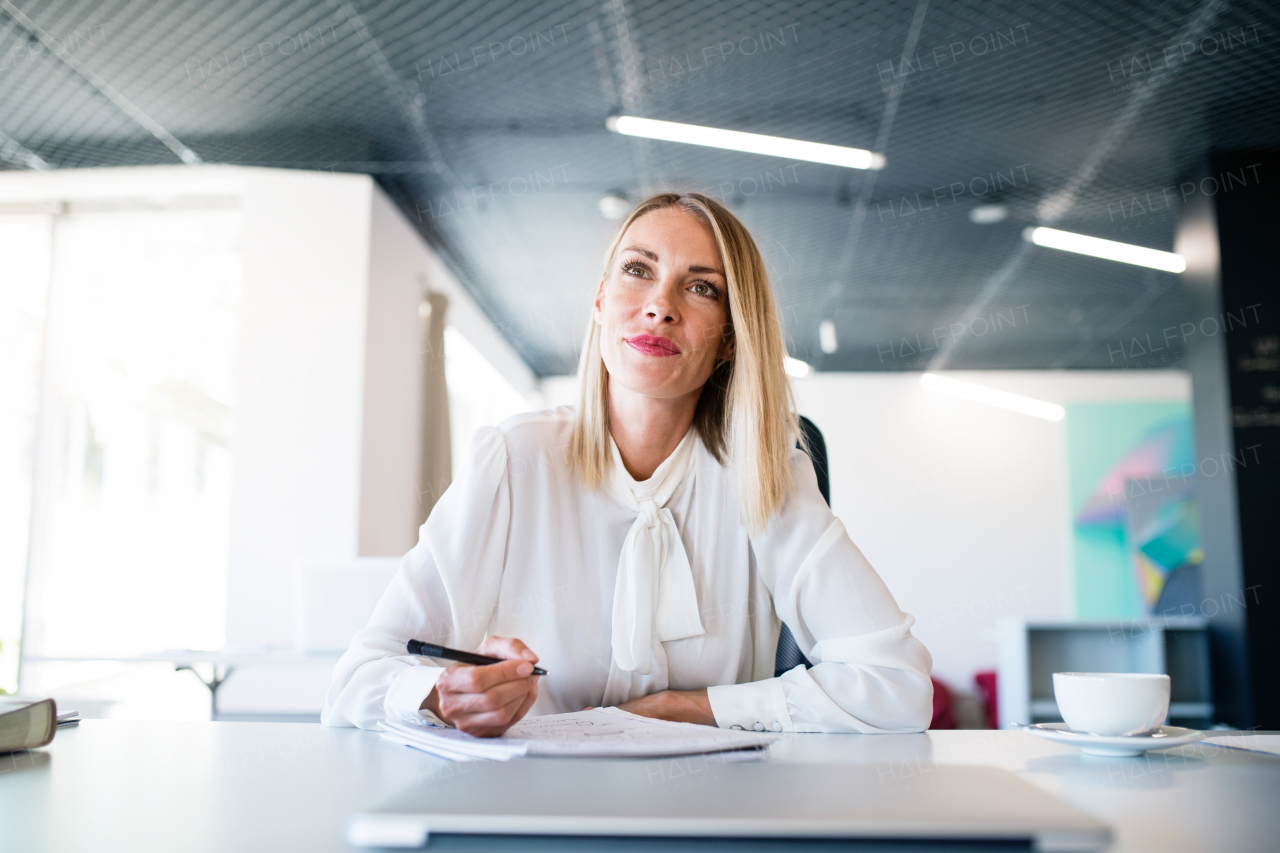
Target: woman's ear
x,y
597,305
726,350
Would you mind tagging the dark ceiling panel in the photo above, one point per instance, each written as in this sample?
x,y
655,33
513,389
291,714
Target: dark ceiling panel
x,y
485,122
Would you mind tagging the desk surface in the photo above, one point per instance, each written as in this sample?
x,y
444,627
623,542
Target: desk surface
x,y
163,786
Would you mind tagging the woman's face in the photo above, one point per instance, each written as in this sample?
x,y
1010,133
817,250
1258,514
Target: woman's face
x,y
663,307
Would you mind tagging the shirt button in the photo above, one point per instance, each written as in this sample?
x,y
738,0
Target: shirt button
x,y
736,728
759,727
777,727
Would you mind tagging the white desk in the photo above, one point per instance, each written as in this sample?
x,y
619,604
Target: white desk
x,y
137,786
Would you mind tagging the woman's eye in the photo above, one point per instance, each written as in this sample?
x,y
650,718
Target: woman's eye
x,y
633,269
703,289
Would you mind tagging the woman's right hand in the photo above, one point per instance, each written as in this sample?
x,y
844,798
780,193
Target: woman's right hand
x,y
487,700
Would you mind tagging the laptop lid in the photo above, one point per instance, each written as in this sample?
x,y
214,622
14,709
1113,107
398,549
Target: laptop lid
x,y
701,796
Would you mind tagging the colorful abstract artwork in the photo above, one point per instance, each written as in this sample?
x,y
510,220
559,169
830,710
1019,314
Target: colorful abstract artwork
x,y
1134,507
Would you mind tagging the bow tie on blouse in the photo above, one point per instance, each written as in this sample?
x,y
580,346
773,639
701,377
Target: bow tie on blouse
x,y
654,597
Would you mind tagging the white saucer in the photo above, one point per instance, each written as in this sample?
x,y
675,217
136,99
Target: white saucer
x,y
1117,746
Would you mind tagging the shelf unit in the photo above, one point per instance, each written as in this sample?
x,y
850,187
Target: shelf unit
x,y
1031,652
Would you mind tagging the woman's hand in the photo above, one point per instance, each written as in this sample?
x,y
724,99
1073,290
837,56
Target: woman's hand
x,y
678,706
487,700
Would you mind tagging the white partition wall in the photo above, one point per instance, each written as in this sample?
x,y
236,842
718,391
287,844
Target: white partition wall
x,y
334,275
296,446
401,267
335,454
963,508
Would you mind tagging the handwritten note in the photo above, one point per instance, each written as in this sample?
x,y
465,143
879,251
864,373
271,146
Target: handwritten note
x,y
598,733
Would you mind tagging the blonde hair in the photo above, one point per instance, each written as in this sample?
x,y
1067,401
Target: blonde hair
x,y
746,413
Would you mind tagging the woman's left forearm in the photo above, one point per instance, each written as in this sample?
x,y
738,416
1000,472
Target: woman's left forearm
x,y
678,706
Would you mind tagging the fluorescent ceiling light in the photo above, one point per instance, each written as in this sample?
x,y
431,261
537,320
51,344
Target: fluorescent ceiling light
x,y
992,397
753,143
988,214
614,206
795,367
1109,249
827,337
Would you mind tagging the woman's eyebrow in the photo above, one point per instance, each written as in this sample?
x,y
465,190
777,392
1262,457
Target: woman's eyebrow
x,y
653,257
650,255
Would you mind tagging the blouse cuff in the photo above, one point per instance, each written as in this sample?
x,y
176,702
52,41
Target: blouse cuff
x,y
407,693
756,706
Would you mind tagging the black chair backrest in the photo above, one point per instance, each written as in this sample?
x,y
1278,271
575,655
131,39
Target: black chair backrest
x,y
789,655
818,453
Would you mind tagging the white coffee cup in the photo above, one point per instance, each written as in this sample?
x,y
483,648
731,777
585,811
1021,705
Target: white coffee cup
x,y
1111,703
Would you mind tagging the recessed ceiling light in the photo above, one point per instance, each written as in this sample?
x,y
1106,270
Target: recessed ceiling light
x,y
993,397
795,367
753,143
1110,250
988,214
614,206
827,337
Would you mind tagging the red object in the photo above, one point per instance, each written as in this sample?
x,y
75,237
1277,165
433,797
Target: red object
x,y
944,714
986,681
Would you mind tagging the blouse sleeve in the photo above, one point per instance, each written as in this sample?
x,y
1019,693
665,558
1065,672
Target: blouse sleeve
x,y
444,592
870,674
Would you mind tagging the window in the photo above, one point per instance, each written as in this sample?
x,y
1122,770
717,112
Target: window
x,y
25,247
125,460
478,394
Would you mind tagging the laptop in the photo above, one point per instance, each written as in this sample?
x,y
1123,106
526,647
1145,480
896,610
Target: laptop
x,y
698,796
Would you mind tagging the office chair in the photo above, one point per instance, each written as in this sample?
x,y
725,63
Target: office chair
x,y
789,655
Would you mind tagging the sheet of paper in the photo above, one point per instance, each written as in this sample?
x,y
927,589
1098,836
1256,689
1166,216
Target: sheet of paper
x,y
1257,743
439,746
598,733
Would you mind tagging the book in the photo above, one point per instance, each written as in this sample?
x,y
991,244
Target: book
x,y
26,723
598,733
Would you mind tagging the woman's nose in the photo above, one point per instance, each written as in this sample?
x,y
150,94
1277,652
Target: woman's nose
x,y
661,305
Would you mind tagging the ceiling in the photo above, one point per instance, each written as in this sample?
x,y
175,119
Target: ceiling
x,y
485,121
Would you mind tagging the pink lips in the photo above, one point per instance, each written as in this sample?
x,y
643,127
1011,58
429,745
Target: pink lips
x,y
652,345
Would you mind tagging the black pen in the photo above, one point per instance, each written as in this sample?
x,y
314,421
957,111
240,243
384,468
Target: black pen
x,y
429,650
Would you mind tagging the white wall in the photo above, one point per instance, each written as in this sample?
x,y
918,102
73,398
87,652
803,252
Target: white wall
x,y
299,390
961,507
327,411
401,268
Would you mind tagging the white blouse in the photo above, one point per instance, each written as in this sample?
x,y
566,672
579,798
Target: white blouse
x,y
518,548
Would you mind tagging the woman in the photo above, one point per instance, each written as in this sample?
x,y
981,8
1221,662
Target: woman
x,y
647,543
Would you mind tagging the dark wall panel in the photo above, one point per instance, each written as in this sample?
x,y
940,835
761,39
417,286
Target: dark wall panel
x,y
1248,228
